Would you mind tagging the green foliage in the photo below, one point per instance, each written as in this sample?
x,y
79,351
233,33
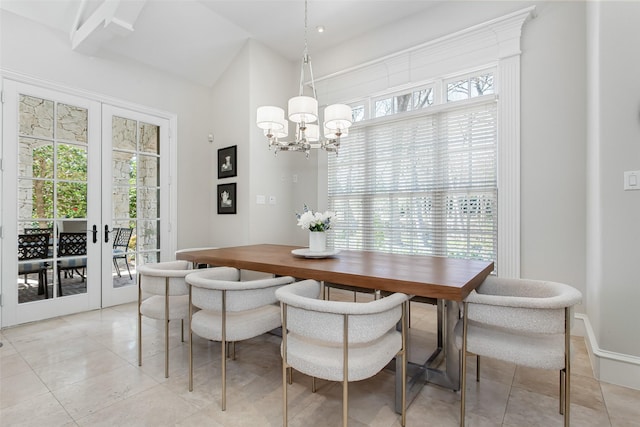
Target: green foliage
x,y
133,194
71,187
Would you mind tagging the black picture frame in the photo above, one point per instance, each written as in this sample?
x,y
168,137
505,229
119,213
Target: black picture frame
x,y
228,162
226,203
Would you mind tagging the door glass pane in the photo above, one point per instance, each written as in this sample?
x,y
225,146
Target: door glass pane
x,y
71,162
35,158
124,134
71,123
134,197
149,138
52,200
36,116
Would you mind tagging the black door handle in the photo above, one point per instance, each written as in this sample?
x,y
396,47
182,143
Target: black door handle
x,y
106,233
95,233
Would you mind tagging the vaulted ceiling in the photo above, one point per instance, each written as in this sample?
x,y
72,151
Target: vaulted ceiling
x,y
197,39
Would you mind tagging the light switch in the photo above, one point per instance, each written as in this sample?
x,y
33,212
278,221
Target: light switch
x,y
272,200
632,180
260,199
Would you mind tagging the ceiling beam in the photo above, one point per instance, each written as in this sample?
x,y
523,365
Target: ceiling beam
x,y
112,18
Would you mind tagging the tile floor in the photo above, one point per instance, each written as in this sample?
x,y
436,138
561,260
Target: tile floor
x,y
81,370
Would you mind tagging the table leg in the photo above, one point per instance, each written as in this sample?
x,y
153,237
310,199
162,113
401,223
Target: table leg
x,y
418,375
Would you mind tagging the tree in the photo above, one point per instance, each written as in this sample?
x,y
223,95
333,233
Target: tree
x,y
70,185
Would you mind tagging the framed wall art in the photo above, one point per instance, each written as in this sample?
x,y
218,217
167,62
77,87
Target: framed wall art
x,y
228,162
227,198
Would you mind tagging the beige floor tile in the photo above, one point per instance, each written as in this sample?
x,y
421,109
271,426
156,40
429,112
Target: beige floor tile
x,y
79,368
59,350
37,411
93,394
156,406
7,348
12,365
623,405
526,408
17,388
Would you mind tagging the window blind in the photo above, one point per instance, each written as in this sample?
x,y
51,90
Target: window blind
x,y
423,184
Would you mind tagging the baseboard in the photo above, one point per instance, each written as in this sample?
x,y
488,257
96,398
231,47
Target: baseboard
x,y
608,366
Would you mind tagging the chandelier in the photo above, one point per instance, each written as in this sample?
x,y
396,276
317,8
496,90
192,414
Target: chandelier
x,y
303,112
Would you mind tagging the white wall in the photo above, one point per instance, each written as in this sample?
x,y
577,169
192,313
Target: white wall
x,y
37,51
273,81
258,76
229,123
553,146
618,142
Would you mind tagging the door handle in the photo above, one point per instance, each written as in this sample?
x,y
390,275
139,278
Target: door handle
x,y
106,233
95,233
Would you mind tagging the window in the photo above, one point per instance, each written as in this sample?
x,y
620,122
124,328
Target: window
x,y
405,101
470,87
422,183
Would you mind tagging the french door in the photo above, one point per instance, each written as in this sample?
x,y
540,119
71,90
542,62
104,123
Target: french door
x,y
83,202
136,197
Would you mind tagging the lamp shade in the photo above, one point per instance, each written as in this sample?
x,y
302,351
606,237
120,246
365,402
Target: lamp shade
x,y
337,116
269,117
303,109
279,133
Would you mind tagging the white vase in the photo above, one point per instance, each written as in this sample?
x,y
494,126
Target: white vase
x,y
317,241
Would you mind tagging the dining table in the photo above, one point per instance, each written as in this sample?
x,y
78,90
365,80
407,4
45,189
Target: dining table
x,y
444,280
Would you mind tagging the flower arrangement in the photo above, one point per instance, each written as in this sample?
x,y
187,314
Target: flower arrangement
x,y
315,221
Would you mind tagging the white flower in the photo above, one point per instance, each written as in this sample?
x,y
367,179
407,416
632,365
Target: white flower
x,y
315,221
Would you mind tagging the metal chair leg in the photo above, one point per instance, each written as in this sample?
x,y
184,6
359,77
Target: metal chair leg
x,y
463,362
139,324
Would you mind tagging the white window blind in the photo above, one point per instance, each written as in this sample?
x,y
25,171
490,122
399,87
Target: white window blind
x,y
422,184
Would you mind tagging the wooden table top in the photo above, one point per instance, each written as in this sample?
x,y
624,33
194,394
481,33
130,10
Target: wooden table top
x,y
427,276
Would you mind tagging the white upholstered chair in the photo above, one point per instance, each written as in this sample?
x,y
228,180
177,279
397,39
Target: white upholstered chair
x,y
230,310
340,341
166,297
526,322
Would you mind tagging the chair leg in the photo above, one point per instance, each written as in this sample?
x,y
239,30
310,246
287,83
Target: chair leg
x,y
223,357
139,324
190,343
166,327
115,264
284,392
285,368
345,403
223,345
567,366
313,385
181,330
463,363
477,368
59,283
290,375
126,262
561,391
